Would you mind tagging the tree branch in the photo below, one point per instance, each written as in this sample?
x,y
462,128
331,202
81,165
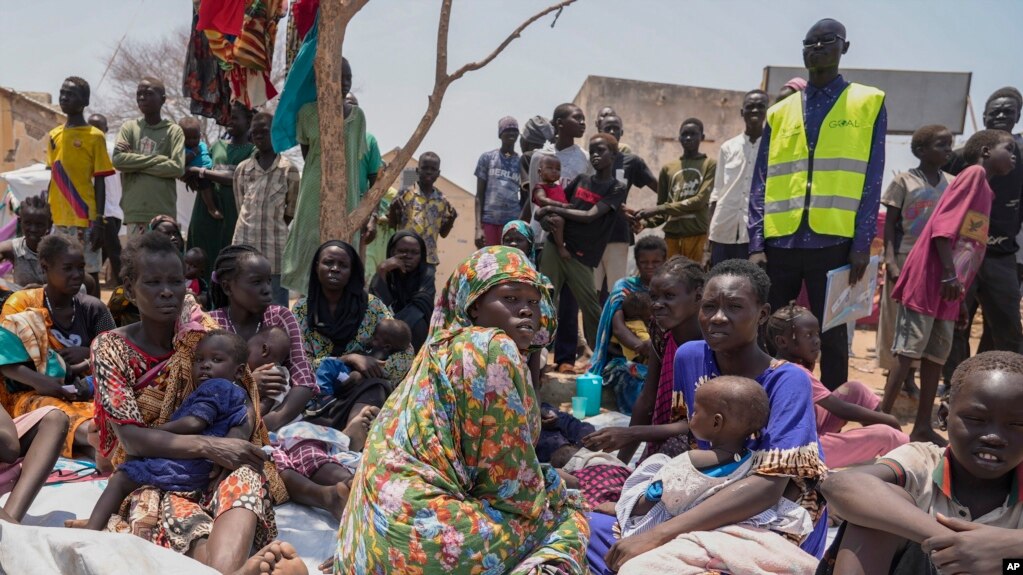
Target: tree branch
x,y
367,207
515,34
442,42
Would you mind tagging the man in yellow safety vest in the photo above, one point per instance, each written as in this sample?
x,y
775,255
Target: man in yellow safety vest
x,y
817,186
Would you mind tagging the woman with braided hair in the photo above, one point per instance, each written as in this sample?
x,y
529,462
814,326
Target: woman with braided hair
x,y
143,373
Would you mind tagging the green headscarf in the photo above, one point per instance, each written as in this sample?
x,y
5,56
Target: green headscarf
x,y
483,270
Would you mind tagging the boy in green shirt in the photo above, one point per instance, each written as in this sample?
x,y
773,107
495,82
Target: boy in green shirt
x,y
150,155
683,195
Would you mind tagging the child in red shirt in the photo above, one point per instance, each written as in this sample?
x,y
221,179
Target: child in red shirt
x,y
938,271
550,192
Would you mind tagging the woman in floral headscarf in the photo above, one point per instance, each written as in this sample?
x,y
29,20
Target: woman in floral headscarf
x,y
449,480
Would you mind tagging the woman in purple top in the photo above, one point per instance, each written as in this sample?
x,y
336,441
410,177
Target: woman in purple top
x,y
787,456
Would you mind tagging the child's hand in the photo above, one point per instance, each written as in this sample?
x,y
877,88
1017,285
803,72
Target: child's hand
x,y
549,420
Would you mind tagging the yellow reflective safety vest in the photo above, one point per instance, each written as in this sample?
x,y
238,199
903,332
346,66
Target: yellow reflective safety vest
x,y
827,183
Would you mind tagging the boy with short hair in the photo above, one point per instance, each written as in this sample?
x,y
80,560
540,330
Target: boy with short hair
x,y
266,193
683,193
594,200
939,270
499,197
569,123
423,209
632,171
150,154
728,236
609,122
909,200
928,509
79,163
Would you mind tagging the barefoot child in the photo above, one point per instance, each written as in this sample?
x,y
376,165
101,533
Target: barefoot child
x,y
550,192
195,271
197,155
217,408
909,201
728,411
939,271
925,508
795,336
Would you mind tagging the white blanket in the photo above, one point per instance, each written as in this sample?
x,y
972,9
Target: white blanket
x,y
312,532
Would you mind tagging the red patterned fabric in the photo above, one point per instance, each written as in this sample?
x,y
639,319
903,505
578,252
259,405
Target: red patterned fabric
x,y
602,483
305,458
224,16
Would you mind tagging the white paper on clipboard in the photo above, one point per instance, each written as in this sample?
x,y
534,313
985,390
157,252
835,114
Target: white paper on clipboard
x,y
844,303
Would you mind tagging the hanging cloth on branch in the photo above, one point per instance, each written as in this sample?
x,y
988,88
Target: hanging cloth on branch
x,y
204,81
248,57
299,90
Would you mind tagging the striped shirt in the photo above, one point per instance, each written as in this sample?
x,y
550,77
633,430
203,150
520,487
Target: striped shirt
x,y
264,198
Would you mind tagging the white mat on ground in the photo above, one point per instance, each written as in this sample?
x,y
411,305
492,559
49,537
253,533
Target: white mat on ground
x,y
312,532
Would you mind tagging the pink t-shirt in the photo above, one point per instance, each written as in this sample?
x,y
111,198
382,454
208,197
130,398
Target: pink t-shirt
x,y
962,215
817,393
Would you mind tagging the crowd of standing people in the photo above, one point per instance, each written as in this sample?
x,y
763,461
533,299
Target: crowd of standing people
x,y
412,415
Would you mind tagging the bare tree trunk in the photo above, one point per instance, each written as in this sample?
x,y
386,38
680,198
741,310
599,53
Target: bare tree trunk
x,y
334,18
335,15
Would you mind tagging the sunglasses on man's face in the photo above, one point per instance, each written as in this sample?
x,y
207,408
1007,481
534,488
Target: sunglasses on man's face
x,y
826,40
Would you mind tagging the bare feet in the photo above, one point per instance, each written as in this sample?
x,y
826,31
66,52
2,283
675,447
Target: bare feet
x,y
277,558
928,435
358,428
339,498
103,464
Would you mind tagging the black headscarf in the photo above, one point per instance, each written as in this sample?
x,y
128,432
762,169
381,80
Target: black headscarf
x,y
342,327
400,290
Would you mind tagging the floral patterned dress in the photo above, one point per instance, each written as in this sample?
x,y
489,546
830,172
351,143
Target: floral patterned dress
x,y
450,481
318,346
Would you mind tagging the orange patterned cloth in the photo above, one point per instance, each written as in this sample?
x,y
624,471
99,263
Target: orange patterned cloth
x,y
247,58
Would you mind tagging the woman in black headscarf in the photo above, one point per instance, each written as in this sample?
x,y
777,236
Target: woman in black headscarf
x,y
405,283
337,320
